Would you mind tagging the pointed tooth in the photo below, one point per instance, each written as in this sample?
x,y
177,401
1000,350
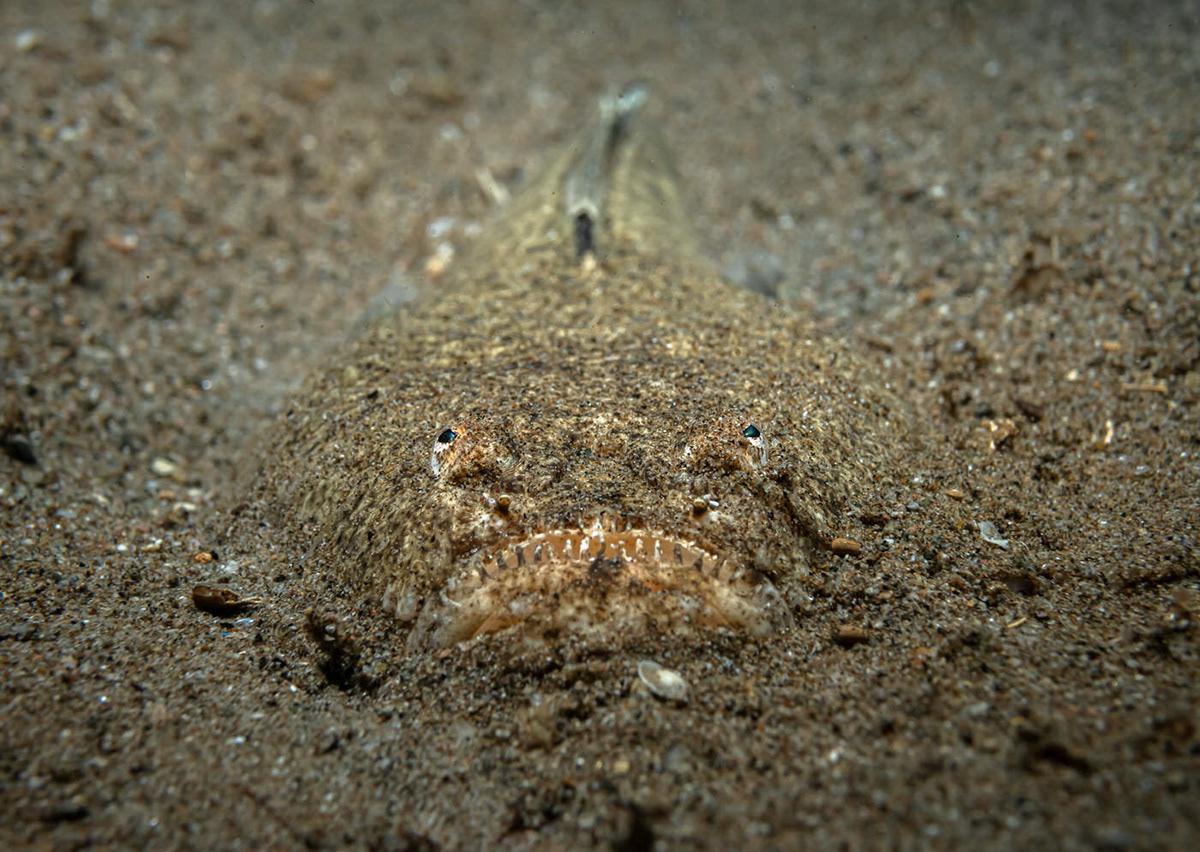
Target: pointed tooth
x,y
657,549
639,548
678,554
584,545
520,551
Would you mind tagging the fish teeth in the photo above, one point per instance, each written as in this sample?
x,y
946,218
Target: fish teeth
x,y
656,549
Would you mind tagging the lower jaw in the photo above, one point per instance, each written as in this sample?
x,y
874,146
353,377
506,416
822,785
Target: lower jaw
x,y
599,586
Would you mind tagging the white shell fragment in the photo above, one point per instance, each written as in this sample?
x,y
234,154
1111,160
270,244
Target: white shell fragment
x,y
989,533
666,684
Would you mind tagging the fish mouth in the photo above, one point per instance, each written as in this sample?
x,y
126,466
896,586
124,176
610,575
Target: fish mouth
x,y
599,582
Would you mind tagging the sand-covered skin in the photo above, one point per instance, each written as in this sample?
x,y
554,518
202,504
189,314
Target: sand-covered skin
x,y
995,207
597,441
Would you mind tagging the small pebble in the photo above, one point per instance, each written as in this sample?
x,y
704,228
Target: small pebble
x,y
20,448
847,546
440,227
664,683
849,635
27,40
163,467
436,263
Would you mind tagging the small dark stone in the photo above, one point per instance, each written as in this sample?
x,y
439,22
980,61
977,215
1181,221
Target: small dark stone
x,y
66,812
1033,411
636,833
20,448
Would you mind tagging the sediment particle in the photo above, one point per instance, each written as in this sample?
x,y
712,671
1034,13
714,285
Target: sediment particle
x,y
845,546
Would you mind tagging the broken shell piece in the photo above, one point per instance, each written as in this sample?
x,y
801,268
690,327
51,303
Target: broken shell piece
x,y
989,533
665,683
221,602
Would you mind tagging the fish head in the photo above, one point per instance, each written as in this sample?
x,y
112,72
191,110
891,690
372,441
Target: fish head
x,y
604,517
605,476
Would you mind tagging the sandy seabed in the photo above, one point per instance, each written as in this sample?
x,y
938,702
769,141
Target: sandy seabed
x,y
997,203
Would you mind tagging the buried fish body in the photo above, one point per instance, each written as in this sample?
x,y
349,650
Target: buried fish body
x,y
584,431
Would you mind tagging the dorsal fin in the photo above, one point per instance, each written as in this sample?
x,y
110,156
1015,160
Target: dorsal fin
x,y
587,183
612,190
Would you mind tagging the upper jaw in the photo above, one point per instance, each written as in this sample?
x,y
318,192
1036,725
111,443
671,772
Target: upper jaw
x,y
607,578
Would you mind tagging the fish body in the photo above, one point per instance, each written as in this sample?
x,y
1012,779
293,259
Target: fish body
x,y
584,431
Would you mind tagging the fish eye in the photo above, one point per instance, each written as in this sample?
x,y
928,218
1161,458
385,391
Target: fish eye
x,y
758,443
726,442
466,449
441,445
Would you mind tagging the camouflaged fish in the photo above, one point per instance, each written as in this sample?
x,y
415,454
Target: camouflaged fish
x,y
585,431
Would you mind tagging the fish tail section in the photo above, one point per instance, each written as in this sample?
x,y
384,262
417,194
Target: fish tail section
x,y
646,210
613,190
587,183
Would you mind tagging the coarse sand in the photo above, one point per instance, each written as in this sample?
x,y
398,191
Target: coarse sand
x,y
995,203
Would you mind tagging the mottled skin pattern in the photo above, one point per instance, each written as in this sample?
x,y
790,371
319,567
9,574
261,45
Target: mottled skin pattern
x,y
576,391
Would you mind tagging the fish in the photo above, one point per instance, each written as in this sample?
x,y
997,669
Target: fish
x,y
583,430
